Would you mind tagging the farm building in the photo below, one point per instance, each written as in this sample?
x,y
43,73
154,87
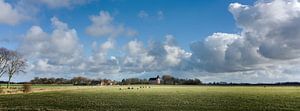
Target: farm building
x,y
154,80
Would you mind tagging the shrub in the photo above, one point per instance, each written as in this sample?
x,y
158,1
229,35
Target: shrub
x,y
27,88
1,90
12,87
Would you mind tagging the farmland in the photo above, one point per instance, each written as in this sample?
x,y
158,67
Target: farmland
x,y
157,97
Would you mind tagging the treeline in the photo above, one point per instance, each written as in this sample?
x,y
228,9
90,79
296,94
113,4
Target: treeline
x,y
132,81
254,84
75,81
166,80
51,80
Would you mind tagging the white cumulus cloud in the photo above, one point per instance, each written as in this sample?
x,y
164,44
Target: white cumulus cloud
x,y
60,48
9,14
103,26
61,3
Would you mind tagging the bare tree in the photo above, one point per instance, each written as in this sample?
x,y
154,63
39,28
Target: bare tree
x,y
80,80
15,65
168,79
4,53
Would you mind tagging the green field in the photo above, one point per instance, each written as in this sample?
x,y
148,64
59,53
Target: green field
x,y
212,98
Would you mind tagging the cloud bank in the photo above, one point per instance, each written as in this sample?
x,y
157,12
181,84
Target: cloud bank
x,y
269,41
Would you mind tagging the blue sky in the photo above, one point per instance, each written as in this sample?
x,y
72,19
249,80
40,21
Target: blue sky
x,y
213,40
187,21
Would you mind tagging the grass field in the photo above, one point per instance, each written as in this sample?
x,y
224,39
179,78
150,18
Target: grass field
x,y
163,98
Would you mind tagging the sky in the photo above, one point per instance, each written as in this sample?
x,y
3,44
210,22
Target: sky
x,y
213,40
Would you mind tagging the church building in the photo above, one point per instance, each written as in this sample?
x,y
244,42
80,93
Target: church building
x,y
154,80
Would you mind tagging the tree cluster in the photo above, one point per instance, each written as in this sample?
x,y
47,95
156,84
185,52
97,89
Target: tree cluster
x,y
51,80
170,80
131,81
75,81
11,63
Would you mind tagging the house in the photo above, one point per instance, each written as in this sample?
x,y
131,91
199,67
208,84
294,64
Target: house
x,y
107,82
154,80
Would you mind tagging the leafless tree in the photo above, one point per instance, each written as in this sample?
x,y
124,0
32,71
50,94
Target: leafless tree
x,y
15,65
168,79
4,53
80,80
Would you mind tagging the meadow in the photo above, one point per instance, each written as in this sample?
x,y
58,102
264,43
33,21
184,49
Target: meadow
x,y
157,97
